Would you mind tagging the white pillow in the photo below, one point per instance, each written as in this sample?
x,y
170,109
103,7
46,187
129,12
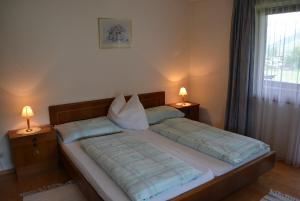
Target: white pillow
x,y
118,103
131,116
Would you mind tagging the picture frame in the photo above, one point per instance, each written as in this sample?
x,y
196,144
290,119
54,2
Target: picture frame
x,y
114,33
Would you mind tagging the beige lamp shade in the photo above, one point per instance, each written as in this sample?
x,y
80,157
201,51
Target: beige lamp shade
x,y
27,112
182,91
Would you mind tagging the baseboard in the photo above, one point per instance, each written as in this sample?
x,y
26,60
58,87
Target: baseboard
x,y
9,171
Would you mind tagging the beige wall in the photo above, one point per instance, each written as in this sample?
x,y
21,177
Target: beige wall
x,y
49,55
210,22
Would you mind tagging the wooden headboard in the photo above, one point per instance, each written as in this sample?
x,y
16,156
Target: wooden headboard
x,y
65,113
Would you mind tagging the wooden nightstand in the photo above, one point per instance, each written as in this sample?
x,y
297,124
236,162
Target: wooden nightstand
x,y
34,153
191,111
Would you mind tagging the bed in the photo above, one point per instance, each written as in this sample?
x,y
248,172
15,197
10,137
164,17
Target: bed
x,y
225,180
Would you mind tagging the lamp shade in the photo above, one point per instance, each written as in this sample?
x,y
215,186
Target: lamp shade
x,y
182,91
27,112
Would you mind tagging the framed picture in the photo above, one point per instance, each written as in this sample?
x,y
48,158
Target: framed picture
x,y
114,33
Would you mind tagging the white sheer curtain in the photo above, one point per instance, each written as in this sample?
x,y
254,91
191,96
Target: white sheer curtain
x,y
275,116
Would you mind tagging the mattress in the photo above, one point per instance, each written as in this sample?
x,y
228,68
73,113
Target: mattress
x,y
107,188
109,191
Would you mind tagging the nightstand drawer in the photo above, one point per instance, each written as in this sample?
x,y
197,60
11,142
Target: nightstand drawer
x,y
192,113
33,139
35,153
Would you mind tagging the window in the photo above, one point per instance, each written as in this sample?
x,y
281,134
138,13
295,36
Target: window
x,y
276,75
282,56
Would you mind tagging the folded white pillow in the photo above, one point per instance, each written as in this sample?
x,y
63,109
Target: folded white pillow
x,y
116,106
130,115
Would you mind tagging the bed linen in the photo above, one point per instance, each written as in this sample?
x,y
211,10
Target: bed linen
x,y
109,190
76,130
140,169
226,146
158,114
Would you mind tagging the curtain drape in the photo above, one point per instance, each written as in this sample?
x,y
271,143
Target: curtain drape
x,y
275,101
241,66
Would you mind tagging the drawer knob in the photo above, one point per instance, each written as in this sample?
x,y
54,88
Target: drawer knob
x,y
36,152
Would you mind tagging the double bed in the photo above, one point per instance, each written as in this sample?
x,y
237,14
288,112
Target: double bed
x,y
218,180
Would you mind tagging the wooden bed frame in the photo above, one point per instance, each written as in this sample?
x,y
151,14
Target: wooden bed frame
x,y
214,190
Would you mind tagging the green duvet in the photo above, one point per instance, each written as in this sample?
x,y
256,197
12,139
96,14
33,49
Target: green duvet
x,y
140,169
223,145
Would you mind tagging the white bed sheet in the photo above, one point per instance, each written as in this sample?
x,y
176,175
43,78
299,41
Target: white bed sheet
x,y
107,188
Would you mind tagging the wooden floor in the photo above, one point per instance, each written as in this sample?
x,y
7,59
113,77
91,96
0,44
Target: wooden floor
x,y
282,178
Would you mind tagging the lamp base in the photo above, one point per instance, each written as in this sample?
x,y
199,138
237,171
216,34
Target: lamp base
x,y
25,131
183,104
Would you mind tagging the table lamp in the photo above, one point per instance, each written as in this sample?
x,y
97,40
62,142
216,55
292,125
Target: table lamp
x,y
183,93
27,113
